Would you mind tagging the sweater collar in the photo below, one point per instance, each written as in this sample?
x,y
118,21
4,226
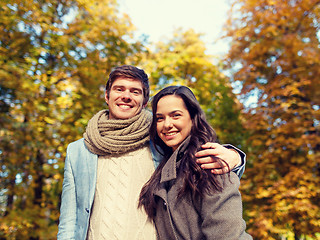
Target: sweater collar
x,y
169,171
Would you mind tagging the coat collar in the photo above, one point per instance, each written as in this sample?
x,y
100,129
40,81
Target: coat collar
x,y
169,171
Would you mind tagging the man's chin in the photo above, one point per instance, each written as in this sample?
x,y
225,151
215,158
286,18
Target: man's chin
x,y
124,116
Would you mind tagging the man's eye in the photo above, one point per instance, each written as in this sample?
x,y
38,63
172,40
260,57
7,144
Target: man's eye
x,y
118,89
136,92
176,115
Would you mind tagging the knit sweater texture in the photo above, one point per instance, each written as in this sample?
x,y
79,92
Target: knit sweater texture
x,y
119,182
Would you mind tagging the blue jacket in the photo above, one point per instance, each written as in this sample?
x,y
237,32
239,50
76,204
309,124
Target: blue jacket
x,y
80,174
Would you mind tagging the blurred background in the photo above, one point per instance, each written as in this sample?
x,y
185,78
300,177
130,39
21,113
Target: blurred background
x,y
253,65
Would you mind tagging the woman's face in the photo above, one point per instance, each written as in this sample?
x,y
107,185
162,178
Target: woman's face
x,y
173,121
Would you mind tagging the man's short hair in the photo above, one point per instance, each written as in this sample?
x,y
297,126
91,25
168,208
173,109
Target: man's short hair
x,y
131,72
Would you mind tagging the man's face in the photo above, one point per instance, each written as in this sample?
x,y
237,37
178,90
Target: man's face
x,y
125,98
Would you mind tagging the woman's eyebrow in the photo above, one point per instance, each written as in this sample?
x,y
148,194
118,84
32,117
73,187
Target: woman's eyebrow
x,y
172,112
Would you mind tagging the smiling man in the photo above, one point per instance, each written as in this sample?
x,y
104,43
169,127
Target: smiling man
x,y
105,171
125,99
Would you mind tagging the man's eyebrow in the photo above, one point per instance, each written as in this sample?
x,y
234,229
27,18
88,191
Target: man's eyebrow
x,y
115,86
139,89
122,86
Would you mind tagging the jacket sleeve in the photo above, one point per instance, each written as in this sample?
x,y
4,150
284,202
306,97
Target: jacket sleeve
x,y
67,220
239,170
221,212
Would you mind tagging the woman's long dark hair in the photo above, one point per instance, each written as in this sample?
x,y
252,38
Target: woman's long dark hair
x,y
197,181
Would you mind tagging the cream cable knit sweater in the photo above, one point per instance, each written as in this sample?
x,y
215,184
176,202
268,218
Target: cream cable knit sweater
x,y
119,181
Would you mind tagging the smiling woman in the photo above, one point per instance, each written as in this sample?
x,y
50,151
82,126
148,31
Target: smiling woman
x,y
173,121
184,201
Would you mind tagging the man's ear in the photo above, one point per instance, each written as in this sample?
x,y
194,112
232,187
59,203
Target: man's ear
x,y
144,105
106,97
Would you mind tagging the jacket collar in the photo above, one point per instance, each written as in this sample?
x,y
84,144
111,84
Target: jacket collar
x,y
169,171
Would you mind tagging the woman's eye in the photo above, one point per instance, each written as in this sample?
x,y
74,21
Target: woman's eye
x,y
159,119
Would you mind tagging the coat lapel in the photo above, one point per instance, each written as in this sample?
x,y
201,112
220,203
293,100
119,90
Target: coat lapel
x,y
169,171
91,164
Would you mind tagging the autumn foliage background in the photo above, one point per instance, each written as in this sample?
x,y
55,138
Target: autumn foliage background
x,y
55,57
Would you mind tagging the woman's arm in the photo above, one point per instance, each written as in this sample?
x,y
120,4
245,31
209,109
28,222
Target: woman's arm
x,y
221,212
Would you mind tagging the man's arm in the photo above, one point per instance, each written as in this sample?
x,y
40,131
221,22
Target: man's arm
x,y
235,158
67,220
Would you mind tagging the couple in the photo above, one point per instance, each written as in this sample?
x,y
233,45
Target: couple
x,y
106,172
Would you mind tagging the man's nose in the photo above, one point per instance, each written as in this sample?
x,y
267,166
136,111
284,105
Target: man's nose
x,y
126,95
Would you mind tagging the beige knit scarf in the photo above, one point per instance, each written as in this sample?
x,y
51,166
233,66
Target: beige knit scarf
x,y
105,136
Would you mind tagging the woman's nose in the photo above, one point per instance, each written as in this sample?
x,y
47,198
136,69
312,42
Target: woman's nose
x,y
167,123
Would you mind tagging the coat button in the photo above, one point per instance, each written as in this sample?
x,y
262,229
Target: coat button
x,y
87,210
165,206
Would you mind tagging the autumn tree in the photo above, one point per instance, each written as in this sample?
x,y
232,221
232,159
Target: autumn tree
x,y
182,60
275,56
54,60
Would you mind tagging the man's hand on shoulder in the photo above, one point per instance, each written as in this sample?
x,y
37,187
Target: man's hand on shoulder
x,y
207,157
